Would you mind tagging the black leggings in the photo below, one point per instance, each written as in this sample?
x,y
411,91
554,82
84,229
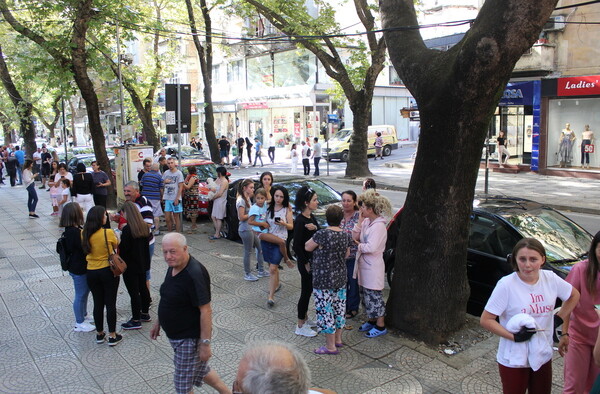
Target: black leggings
x,y
104,287
305,290
138,292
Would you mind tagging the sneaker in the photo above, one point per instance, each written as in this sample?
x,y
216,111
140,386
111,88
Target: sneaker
x,y
100,337
145,317
305,331
42,187
270,303
131,325
263,274
115,341
250,278
84,327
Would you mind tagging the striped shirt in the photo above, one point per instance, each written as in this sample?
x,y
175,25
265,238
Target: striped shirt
x,y
151,184
146,210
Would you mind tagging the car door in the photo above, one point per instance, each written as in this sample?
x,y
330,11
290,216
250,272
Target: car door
x,y
490,242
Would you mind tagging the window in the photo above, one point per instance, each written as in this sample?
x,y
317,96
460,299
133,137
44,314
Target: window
x,y
394,77
489,236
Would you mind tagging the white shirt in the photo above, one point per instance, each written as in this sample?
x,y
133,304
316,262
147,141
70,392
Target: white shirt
x,y
272,142
37,157
305,151
317,149
513,296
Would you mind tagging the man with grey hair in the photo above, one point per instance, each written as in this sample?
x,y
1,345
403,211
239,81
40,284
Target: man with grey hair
x,y
185,313
271,368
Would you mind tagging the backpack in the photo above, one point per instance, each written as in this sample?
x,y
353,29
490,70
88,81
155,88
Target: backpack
x,y
61,249
308,152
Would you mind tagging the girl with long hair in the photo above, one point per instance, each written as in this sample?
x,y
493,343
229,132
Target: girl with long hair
x,y
249,238
524,302
103,284
220,201
72,220
135,250
266,182
305,227
580,329
29,180
273,243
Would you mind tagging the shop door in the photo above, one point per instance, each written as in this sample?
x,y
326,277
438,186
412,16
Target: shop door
x,y
516,121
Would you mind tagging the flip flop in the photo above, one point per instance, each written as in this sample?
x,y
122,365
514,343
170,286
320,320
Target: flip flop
x,y
351,314
324,350
339,345
212,237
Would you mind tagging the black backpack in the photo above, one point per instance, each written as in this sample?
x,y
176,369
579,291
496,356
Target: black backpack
x,y
308,152
61,249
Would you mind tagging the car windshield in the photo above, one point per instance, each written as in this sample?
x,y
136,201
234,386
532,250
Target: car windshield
x,y
326,194
188,151
562,238
342,135
203,171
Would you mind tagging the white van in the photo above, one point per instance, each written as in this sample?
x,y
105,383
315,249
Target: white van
x,y
339,144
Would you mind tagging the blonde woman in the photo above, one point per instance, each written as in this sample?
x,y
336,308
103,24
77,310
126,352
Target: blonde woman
x,y
370,234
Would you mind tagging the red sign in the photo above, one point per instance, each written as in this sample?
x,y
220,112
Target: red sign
x,y
255,105
579,86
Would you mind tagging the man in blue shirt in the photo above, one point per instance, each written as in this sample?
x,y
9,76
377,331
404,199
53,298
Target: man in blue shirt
x,y
20,155
258,147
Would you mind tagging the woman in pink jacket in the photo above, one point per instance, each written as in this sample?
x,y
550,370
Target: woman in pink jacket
x,y
580,330
370,234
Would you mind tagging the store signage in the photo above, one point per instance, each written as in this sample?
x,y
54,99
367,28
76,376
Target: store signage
x,y
255,105
517,93
579,86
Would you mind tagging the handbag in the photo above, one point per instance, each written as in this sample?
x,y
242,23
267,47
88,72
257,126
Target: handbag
x,y
115,262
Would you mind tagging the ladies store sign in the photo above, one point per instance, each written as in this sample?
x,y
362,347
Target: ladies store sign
x,y
579,86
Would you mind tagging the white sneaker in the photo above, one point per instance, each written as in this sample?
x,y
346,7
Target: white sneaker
x,y
305,331
84,327
250,278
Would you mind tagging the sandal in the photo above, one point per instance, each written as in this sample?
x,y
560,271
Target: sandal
x,y
339,345
212,238
374,332
351,314
324,350
366,326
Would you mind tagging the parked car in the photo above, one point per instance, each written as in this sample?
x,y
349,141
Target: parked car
x,y
339,144
497,224
327,196
87,159
187,152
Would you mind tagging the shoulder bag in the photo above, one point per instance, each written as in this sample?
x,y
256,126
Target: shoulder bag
x,y
116,263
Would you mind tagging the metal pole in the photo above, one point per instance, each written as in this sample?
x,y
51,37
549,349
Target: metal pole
x,y
64,130
120,82
179,146
487,165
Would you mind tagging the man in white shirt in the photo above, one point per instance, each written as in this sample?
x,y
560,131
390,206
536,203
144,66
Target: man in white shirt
x,y
272,148
37,160
316,155
305,158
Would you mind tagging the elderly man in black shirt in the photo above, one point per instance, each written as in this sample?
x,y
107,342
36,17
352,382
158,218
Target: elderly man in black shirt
x,y
185,313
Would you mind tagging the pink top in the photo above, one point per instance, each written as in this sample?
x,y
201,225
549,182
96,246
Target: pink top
x,y
584,323
370,267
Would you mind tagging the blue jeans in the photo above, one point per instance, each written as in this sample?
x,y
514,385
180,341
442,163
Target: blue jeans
x,y
250,241
352,295
81,296
20,173
32,198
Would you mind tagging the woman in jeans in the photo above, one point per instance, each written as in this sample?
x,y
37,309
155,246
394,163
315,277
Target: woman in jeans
x,y
32,197
72,220
135,250
249,238
101,281
305,227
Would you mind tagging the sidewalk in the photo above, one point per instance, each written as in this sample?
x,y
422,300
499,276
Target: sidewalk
x,y
39,352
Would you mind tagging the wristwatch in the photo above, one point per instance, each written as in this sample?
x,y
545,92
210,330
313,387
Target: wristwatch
x,y
205,341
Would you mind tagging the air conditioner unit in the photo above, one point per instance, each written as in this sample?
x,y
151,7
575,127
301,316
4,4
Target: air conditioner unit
x,y
555,23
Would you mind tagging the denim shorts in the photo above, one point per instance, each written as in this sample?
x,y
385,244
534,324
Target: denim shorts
x,y
271,253
170,207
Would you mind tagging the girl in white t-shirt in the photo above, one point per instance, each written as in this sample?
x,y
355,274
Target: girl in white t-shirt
x,y
530,292
65,194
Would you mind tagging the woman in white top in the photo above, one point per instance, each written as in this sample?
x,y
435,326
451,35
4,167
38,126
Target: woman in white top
x,y
531,292
295,157
280,221
28,179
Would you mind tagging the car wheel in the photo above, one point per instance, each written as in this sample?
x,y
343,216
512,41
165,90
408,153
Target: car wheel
x,y
345,155
387,150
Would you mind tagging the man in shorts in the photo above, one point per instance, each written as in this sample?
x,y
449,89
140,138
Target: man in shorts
x,y
173,189
152,189
224,147
185,313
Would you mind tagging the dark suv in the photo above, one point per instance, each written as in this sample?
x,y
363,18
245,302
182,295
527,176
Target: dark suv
x,y
497,224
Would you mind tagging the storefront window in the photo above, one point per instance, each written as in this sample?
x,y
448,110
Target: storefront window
x,y
294,68
567,120
260,72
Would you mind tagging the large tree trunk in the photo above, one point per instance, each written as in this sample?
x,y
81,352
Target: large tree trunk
x,y
6,128
23,108
358,165
205,57
457,92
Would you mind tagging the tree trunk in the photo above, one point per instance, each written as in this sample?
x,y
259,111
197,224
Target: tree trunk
x,y
358,165
6,128
23,108
457,92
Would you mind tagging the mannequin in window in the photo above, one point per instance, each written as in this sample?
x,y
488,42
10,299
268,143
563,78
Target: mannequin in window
x,y
587,140
565,145
502,143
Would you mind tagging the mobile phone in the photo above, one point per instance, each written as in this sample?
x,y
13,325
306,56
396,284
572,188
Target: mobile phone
x,y
277,219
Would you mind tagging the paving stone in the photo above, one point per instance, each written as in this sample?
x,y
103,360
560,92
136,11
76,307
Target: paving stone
x,y
26,378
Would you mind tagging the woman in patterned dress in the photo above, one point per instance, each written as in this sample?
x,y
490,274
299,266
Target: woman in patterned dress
x,y
191,195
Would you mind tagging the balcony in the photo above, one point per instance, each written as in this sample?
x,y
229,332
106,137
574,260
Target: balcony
x,y
538,60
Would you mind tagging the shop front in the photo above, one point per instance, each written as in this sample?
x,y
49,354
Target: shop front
x,y
518,115
572,106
